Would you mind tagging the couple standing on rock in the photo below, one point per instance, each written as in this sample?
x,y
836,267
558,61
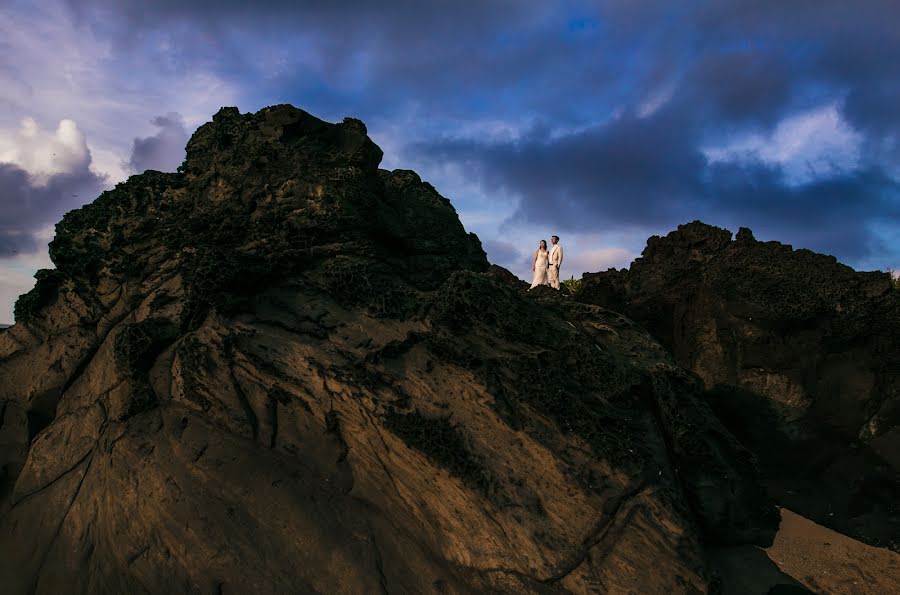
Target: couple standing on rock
x,y
546,264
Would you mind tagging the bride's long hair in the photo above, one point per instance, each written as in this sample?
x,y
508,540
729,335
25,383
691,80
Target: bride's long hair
x,y
542,245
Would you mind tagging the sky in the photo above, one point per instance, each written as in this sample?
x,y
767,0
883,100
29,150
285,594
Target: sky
x,y
603,122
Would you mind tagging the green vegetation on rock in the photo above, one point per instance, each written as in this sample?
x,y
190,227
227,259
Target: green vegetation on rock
x,y
572,284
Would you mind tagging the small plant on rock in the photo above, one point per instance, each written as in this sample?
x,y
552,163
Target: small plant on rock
x,y
572,284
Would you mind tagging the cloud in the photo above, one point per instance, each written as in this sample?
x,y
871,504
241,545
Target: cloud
x,y
741,114
412,23
503,253
733,68
26,206
58,178
803,184
53,67
164,151
738,86
808,145
448,59
631,171
736,61
343,43
45,154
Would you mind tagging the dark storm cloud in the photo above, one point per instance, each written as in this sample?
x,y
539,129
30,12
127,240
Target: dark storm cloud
x,y
738,86
27,207
164,151
648,173
370,58
732,68
632,171
403,14
745,58
337,31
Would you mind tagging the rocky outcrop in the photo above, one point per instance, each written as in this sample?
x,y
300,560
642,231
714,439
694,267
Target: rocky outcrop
x,y
283,369
799,354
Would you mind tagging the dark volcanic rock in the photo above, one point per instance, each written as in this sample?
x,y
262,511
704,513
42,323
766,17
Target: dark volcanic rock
x,y
505,277
800,355
285,370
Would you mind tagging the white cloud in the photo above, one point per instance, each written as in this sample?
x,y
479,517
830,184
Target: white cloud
x,y
492,130
43,154
110,162
656,99
807,145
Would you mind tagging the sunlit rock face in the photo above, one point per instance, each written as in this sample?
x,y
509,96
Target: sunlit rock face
x,y
799,354
282,369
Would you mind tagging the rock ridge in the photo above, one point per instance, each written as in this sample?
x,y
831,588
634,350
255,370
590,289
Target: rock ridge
x,y
798,353
284,369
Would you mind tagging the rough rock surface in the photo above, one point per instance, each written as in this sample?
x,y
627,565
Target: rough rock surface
x,y
801,356
282,369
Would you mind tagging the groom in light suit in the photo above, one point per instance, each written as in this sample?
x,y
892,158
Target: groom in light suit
x,y
556,258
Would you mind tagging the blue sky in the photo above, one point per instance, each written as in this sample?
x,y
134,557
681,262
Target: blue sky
x,y
603,122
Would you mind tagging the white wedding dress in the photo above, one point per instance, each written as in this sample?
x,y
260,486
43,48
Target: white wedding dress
x,y
540,269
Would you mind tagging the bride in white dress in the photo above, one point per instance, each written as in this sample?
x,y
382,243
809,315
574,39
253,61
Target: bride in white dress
x,y
540,265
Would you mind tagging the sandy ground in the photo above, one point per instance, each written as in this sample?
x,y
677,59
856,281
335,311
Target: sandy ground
x,y
827,562
812,556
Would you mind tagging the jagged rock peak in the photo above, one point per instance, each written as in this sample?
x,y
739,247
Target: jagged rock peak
x,y
695,241
262,197
744,234
693,245
271,134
